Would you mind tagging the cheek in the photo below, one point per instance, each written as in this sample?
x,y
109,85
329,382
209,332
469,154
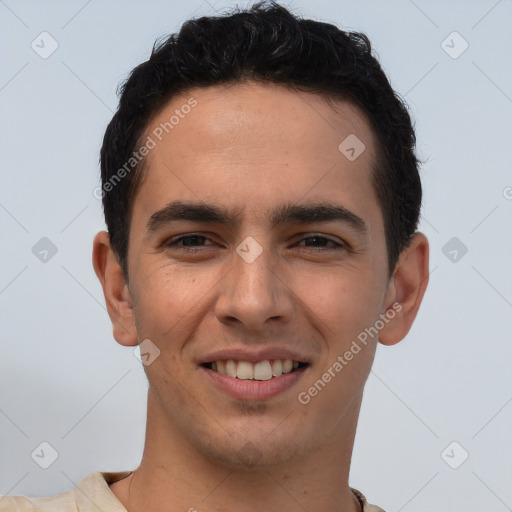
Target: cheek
x,y
169,300
343,303
343,310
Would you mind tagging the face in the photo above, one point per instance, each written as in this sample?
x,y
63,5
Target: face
x,y
256,240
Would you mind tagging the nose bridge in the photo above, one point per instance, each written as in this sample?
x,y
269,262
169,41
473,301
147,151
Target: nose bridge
x,y
253,271
252,293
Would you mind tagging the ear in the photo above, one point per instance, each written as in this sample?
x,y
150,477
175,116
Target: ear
x,y
115,289
406,289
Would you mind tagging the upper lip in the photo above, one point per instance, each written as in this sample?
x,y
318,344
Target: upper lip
x,y
254,355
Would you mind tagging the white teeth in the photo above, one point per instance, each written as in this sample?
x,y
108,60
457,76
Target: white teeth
x,y
277,368
231,368
262,370
287,365
245,370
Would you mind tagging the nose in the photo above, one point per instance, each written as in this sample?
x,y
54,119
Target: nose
x,y
255,293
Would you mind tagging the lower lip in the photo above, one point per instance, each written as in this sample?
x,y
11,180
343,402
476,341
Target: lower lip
x,y
254,389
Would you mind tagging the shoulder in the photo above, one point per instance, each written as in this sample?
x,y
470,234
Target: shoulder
x,y
91,490
61,502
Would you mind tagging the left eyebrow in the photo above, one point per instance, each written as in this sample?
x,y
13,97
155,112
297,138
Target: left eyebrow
x,y
288,213
313,213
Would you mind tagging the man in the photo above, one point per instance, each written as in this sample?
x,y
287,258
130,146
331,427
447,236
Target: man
x,y
261,195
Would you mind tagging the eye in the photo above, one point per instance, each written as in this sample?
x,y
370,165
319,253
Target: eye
x,y
194,242
321,242
187,242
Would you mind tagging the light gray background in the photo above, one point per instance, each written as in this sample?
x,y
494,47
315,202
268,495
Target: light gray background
x,y
63,378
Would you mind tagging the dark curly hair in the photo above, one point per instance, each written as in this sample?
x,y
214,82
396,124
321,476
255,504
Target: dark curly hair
x,y
268,44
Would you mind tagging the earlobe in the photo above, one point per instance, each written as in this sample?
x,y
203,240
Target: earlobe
x,y
115,290
406,288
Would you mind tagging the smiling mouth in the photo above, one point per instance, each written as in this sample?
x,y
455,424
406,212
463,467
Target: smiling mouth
x,y
261,370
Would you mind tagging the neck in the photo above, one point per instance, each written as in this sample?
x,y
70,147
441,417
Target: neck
x,y
174,475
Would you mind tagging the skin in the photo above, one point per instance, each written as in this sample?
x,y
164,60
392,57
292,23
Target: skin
x,y
255,147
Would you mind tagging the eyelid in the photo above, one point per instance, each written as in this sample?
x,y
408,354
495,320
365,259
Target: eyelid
x,y
338,243
178,238
330,238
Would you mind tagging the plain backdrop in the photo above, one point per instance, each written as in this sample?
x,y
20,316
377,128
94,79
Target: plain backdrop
x,y
436,422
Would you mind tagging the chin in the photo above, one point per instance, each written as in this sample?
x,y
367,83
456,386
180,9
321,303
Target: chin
x,y
252,450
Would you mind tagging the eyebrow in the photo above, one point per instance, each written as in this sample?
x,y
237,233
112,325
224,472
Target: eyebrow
x,y
289,213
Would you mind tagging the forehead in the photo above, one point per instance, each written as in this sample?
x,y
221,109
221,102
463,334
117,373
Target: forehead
x,y
255,113
259,143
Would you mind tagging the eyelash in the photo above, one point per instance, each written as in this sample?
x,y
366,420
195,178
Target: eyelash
x,y
174,242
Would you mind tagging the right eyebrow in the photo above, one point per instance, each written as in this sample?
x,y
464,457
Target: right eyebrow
x,y
197,212
284,214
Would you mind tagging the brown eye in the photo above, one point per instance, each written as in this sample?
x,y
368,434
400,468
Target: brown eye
x,y
188,242
321,242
